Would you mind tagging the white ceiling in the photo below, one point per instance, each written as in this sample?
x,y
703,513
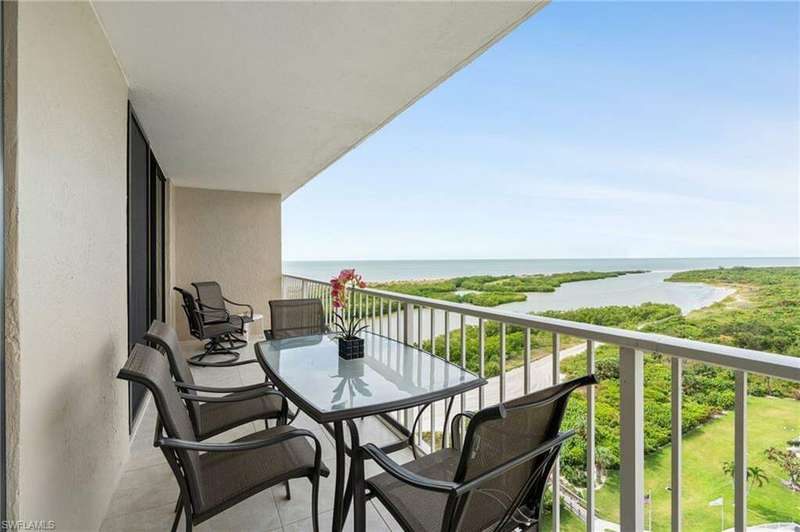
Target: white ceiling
x,y
262,96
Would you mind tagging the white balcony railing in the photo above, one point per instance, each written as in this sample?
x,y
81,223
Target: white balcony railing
x,y
407,318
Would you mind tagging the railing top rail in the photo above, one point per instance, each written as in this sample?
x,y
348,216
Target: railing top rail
x,y
774,365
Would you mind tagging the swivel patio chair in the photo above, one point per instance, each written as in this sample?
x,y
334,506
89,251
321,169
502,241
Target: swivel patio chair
x,y
213,418
226,473
290,318
494,482
216,333
214,307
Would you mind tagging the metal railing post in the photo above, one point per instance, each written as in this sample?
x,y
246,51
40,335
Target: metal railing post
x,y
631,439
502,362
408,338
740,453
482,361
556,366
408,326
677,441
463,342
590,473
527,363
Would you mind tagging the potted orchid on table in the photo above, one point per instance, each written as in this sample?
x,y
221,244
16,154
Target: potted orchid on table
x,y
346,325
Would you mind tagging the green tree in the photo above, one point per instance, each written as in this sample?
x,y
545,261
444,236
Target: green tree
x,y
756,476
788,461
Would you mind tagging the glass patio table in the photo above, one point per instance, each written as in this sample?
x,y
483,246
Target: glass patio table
x,y
331,390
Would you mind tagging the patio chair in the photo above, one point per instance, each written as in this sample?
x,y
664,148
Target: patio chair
x,y
290,318
210,419
215,310
494,482
226,473
216,333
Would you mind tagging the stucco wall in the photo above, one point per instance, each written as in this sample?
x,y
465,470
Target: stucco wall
x,y
71,412
233,238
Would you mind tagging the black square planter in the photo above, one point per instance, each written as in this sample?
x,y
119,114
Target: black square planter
x,y
350,348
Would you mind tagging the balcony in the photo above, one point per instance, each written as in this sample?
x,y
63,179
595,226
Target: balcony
x,y
108,209
414,320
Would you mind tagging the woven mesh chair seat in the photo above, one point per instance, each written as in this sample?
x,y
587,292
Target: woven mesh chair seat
x,y
216,329
420,509
229,477
507,455
218,417
209,419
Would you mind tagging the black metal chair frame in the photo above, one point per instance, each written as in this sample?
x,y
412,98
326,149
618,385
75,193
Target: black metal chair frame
x,y
459,489
219,313
199,328
170,447
162,342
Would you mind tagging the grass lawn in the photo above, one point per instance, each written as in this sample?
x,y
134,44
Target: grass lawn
x,y
568,522
771,423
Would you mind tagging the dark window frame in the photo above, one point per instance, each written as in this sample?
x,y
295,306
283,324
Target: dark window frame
x,y
155,218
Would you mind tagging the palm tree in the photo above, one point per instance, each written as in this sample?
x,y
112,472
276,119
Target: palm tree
x,y
756,476
727,468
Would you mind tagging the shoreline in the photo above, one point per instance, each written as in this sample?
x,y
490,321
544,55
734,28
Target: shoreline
x,y
628,288
437,269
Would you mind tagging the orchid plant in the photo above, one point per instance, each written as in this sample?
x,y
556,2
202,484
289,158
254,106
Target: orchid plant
x,y
346,324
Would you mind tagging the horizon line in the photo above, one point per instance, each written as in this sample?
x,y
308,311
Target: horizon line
x,y
785,257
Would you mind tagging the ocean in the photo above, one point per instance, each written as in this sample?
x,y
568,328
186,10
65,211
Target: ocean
x,y
397,270
632,289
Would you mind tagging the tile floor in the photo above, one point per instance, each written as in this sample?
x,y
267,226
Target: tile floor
x,y
147,492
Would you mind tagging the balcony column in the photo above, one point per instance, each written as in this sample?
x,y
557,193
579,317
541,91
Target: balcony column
x,y
631,441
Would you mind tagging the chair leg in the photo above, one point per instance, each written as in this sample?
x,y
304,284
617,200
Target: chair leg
x,y
188,516
177,515
215,347
315,502
288,491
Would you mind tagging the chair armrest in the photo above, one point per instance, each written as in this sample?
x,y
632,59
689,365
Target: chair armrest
x,y
404,475
239,305
455,428
233,398
175,443
214,389
237,321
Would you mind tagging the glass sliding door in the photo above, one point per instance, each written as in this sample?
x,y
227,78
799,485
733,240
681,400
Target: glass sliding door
x,y
157,240
146,232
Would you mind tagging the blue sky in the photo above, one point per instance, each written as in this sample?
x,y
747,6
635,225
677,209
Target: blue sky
x,y
593,130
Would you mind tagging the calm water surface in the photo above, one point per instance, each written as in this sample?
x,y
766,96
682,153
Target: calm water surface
x,y
632,289
397,270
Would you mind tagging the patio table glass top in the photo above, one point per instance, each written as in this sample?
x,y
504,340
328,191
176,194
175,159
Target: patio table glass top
x,y
391,376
